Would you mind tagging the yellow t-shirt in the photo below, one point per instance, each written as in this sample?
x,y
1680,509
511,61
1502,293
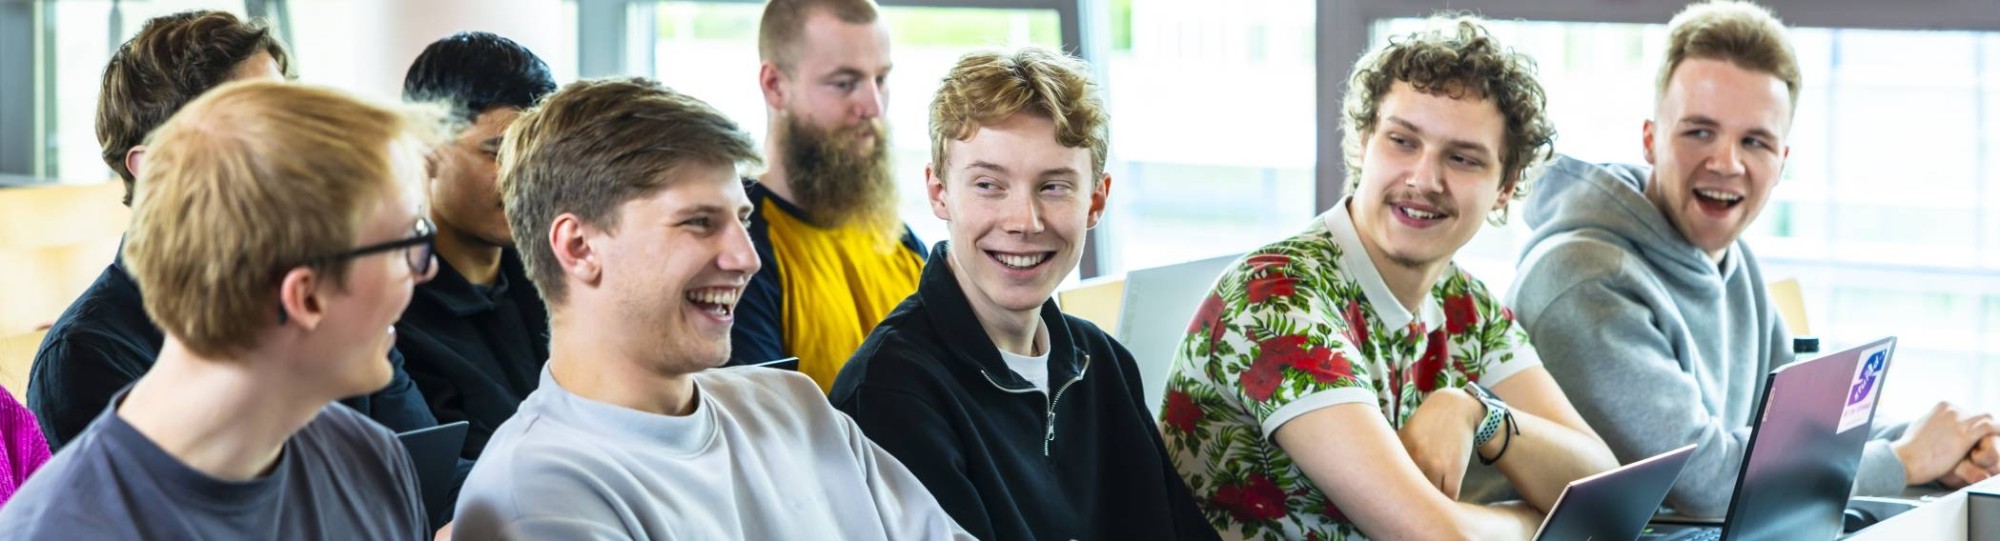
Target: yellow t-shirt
x,y
831,287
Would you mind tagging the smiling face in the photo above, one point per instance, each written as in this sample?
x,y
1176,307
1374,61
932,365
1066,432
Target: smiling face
x,y
1019,206
1430,173
1717,146
675,265
356,329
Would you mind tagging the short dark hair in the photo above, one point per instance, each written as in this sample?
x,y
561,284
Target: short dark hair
x,y
473,72
595,145
172,60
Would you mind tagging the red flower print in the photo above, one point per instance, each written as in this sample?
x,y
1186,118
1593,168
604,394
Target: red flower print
x,y
1325,365
1256,500
1425,372
1506,313
1208,317
1263,288
1416,330
1261,380
1182,413
1460,314
1357,323
1264,262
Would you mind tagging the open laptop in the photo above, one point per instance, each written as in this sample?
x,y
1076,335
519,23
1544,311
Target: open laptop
x,y
1799,467
1614,505
434,453
1153,318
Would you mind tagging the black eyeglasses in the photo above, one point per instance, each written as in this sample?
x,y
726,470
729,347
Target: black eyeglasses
x,y
418,248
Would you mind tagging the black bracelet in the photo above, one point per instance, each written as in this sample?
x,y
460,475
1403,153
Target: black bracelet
x,y
1512,430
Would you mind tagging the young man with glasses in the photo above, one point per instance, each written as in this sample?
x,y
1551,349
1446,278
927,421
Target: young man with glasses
x,y
103,341
233,434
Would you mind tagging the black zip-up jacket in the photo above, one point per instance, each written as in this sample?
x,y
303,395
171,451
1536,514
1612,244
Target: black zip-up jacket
x,y
475,352
1004,459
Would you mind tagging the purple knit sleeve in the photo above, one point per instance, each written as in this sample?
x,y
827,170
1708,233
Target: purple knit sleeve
x,y
26,450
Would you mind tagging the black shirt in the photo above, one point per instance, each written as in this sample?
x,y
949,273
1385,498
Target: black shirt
x,y
104,342
475,351
1004,459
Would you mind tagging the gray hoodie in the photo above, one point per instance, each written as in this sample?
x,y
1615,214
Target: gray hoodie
x,y
1655,344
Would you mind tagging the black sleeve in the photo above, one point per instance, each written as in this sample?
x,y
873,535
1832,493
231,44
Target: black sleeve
x,y
1189,523
72,381
913,431
759,333
399,406
422,356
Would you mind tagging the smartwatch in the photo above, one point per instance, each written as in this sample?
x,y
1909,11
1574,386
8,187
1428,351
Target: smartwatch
x,y
1496,415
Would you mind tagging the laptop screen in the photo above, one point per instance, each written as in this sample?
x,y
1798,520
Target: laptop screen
x,y
1812,424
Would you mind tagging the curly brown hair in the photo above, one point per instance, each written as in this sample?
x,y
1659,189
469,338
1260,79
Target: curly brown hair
x,y
1460,59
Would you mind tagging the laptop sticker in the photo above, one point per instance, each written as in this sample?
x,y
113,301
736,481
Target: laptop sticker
x,y
1864,389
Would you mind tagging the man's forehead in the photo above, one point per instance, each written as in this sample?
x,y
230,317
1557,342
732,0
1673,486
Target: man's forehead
x,y
1469,117
1722,92
1023,144
828,43
697,187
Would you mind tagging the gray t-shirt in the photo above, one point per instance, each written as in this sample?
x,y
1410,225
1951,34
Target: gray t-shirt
x,y
763,456
340,477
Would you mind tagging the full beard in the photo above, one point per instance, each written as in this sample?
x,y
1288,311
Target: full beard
x,y
837,187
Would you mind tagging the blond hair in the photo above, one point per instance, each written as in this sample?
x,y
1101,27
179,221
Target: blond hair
x,y
1456,58
1740,33
594,145
784,23
247,182
985,88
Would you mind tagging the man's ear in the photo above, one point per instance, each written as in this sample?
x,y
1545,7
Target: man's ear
x,y
571,240
1099,195
771,79
1647,140
135,158
934,186
299,300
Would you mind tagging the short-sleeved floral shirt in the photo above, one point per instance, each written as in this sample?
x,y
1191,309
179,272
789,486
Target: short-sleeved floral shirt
x,y
1304,324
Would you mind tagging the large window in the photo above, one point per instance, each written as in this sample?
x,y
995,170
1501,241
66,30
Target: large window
x,y
1193,176
1212,128
1888,212
322,47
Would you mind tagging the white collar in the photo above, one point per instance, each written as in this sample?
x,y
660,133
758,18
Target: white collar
x,y
1354,261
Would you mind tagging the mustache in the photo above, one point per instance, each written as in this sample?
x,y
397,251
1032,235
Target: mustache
x,y
1430,199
